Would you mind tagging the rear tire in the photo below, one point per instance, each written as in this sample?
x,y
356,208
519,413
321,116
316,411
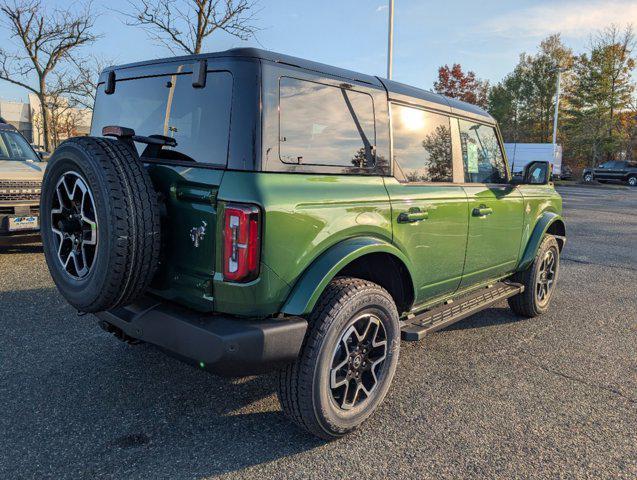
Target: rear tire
x,y
99,223
536,298
632,180
315,391
588,177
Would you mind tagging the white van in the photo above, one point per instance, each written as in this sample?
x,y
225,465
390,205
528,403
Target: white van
x,y
520,154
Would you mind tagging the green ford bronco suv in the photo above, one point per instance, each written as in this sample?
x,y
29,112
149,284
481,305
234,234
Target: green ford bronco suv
x,y
247,211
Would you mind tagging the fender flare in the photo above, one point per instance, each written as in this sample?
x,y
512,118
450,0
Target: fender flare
x,y
323,269
541,227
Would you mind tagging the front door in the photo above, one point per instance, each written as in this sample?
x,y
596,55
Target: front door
x,y
429,211
495,207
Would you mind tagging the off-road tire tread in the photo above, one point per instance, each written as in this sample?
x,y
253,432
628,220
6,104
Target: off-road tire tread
x,y
135,223
295,381
524,303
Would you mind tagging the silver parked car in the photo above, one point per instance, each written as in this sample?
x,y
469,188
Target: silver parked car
x,y
21,172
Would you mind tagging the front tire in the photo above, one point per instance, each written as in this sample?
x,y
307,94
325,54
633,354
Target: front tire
x,y
347,361
539,281
632,180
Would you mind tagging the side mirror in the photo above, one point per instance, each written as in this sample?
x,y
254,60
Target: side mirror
x,y
536,173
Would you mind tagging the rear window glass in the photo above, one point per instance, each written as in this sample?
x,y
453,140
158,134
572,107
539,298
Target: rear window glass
x,y
197,118
325,125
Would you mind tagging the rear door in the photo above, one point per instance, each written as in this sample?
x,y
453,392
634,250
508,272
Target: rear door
x,y
603,171
617,170
187,177
429,211
495,207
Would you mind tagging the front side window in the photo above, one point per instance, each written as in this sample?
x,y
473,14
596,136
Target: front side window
x,y
197,118
421,145
481,153
14,146
325,125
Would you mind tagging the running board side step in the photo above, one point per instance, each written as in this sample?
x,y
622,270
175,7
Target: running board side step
x,y
415,328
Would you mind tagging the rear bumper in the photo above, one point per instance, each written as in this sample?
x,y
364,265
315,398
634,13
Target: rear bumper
x,y
221,344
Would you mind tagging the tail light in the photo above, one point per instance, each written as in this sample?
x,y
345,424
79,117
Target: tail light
x,y
241,243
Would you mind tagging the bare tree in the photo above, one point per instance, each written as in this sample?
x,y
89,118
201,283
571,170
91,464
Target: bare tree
x,y
46,40
84,85
183,25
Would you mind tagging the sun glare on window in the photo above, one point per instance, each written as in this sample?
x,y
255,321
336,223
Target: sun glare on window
x,y
412,119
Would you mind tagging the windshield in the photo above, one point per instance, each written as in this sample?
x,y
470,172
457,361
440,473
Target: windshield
x,y
14,146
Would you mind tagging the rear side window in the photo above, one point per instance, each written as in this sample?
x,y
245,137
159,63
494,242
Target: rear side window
x,y
481,154
422,144
198,118
325,125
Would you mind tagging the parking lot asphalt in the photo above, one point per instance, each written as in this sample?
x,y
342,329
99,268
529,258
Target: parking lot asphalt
x,y
492,396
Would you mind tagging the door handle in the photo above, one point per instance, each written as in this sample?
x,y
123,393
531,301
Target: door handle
x,y
413,215
482,211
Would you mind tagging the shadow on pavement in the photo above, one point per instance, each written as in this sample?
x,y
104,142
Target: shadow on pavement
x,y
487,318
77,403
20,245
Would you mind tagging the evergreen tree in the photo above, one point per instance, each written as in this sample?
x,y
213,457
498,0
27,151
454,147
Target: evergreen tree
x,y
600,96
524,102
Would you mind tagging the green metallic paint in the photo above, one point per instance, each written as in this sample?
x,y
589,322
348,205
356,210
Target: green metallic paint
x,y
434,245
303,216
257,299
543,207
308,289
186,271
314,225
540,229
493,242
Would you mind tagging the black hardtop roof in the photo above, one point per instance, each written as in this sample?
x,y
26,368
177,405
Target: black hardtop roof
x,y
256,53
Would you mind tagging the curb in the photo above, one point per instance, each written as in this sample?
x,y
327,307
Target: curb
x,y
593,185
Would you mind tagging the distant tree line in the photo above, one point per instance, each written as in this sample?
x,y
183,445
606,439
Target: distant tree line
x,y
598,111
598,108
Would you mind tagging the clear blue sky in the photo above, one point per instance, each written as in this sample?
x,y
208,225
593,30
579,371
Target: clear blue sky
x,y
484,36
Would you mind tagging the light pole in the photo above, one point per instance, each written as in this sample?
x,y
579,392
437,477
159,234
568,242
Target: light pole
x,y
390,40
557,104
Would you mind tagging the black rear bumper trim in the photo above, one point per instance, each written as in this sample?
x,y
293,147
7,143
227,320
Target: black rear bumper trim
x,y
222,344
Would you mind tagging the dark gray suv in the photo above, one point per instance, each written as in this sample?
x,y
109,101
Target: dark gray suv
x,y
619,171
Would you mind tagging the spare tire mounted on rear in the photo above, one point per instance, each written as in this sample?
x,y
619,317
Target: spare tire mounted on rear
x,y
99,223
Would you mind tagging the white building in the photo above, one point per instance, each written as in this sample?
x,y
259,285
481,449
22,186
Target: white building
x,y
18,114
26,117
